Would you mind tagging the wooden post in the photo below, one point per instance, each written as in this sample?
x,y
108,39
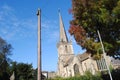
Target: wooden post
x,y
39,76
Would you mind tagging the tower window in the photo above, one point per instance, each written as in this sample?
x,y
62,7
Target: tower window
x,y
66,48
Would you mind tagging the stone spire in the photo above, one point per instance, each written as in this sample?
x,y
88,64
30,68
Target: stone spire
x,y
63,37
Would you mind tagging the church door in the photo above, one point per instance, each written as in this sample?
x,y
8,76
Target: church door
x,y
76,69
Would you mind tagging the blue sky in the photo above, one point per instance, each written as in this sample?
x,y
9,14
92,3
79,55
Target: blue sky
x,y
18,26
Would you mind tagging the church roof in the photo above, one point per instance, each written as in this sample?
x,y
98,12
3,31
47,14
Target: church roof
x,y
68,60
83,56
115,61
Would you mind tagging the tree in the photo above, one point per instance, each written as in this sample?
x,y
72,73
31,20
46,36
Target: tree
x,y
13,68
5,51
22,71
92,15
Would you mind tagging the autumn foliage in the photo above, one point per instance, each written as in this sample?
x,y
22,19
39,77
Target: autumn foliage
x,y
92,15
79,34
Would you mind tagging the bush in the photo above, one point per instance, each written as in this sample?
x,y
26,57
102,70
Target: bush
x,y
115,75
87,76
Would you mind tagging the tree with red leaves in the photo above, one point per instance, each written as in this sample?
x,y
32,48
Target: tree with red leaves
x,y
92,15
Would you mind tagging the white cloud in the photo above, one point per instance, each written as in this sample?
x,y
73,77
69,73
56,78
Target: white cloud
x,y
12,27
55,35
7,8
0,17
50,31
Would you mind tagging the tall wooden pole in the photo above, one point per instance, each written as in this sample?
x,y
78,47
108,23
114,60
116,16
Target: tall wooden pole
x,y
39,76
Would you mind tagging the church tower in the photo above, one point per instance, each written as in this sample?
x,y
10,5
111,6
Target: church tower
x,y
65,48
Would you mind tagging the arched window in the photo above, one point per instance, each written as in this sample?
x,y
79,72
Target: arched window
x,y
101,64
76,69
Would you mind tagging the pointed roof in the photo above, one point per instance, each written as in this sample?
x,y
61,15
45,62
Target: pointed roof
x,y
83,56
63,36
68,60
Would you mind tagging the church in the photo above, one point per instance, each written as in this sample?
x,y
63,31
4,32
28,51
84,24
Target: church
x,y
70,64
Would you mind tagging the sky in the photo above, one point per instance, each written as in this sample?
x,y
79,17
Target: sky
x,y
18,26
